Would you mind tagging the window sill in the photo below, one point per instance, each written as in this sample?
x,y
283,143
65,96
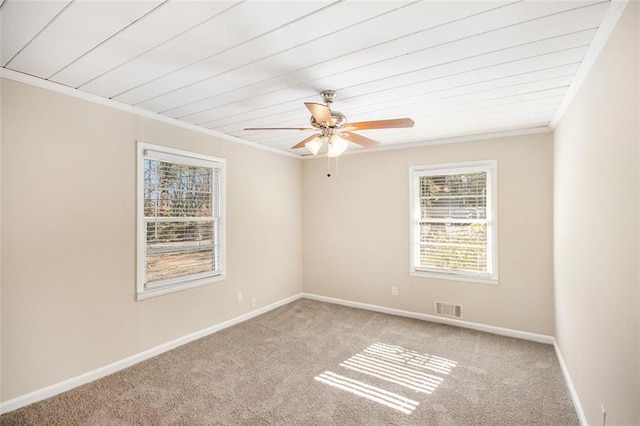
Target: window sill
x,y
453,277
148,294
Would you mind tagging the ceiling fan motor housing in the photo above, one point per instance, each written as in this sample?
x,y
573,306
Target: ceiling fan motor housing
x,y
339,120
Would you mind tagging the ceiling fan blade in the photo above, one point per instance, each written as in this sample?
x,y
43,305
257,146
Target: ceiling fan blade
x,y
278,128
303,142
321,113
381,124
359,139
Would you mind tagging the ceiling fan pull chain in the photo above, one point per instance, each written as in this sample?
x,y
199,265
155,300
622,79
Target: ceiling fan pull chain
x,y
335,167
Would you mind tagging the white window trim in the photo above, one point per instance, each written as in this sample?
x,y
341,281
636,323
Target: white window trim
x,y
491,166
179,284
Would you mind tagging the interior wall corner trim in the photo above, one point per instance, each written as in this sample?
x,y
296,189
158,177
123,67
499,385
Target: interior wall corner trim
x,y
73,382
525,335
572,390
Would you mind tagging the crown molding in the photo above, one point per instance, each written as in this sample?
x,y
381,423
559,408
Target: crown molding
x,y
66,90
542,128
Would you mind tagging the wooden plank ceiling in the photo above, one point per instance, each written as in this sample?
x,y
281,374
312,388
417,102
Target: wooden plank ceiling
x,y
456,68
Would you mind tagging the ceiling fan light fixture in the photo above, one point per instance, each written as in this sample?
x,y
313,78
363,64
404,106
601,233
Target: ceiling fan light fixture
x,y
337,146
314,145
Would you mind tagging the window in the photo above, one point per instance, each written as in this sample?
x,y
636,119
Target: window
x,y
180,220
453,221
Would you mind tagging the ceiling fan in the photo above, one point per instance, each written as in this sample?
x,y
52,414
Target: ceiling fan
x,y
332,127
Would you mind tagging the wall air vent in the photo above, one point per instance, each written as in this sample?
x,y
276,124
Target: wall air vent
x,y
447,309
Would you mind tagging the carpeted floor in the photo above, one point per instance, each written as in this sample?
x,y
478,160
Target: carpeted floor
x,y
313,363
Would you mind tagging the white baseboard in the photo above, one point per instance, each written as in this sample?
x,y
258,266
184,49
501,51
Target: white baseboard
x,y
55,389
98,373
572,390
540,338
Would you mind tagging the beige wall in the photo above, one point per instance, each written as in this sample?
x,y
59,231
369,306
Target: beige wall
x,y
68,240
596,224
1,243
356,232
67,215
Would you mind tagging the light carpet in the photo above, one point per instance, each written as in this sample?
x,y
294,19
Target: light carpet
x,y
315,363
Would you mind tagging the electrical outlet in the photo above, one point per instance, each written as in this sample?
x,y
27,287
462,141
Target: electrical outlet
x,y
239,297
394,291
253,301
604,415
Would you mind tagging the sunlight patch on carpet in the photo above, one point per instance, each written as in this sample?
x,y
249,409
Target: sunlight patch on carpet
x,y
373,393
413,370
411,358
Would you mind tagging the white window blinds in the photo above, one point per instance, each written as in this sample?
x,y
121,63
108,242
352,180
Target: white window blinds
x,y
181,219
453,221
